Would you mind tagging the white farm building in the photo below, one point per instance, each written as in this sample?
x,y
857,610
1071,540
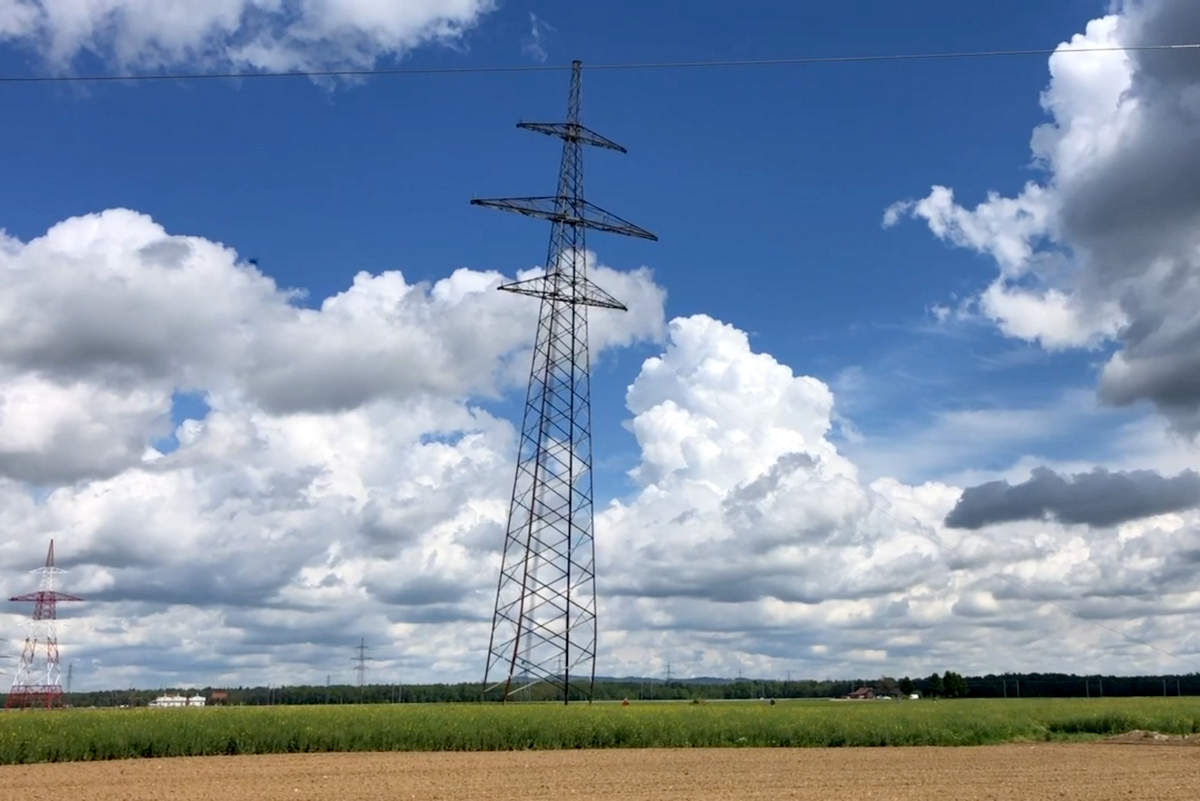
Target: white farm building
x,y
177,700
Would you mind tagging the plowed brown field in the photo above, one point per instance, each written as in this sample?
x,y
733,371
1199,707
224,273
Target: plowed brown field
x,y
1094,772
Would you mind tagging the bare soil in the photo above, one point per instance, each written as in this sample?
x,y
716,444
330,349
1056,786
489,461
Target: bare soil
x,y
1095,772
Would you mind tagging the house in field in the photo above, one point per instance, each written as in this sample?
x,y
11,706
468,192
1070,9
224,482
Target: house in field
x,y
177,701
862,694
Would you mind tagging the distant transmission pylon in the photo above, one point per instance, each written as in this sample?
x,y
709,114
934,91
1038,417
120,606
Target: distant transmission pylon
x,y
38,680
360,663
544,624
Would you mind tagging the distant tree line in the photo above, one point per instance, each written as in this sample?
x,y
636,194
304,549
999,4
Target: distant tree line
x,y
944,685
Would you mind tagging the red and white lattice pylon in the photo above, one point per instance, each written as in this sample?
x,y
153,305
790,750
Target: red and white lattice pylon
x,y
38,679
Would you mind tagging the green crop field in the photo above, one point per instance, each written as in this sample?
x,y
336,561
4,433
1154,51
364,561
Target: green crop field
x,y
88,734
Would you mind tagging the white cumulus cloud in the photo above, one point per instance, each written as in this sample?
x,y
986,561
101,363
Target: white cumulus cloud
x,y
342,480
751,544
264,34
346,481
1106,248
103,324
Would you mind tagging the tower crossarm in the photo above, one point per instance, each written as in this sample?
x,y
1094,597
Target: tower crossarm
x,y
580,293
573,132
45,601
41,596
563,210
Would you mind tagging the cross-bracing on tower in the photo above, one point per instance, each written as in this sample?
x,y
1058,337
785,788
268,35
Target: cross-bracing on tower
x,y
544,624
38,679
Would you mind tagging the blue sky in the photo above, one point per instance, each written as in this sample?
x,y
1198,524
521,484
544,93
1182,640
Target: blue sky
x,y
766,185
365,447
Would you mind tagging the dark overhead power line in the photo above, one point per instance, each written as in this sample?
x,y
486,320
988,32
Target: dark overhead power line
x,y
631,65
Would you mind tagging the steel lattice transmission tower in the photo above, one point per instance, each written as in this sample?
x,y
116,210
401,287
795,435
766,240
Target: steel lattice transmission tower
x,y
544,625
38,680
360,662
